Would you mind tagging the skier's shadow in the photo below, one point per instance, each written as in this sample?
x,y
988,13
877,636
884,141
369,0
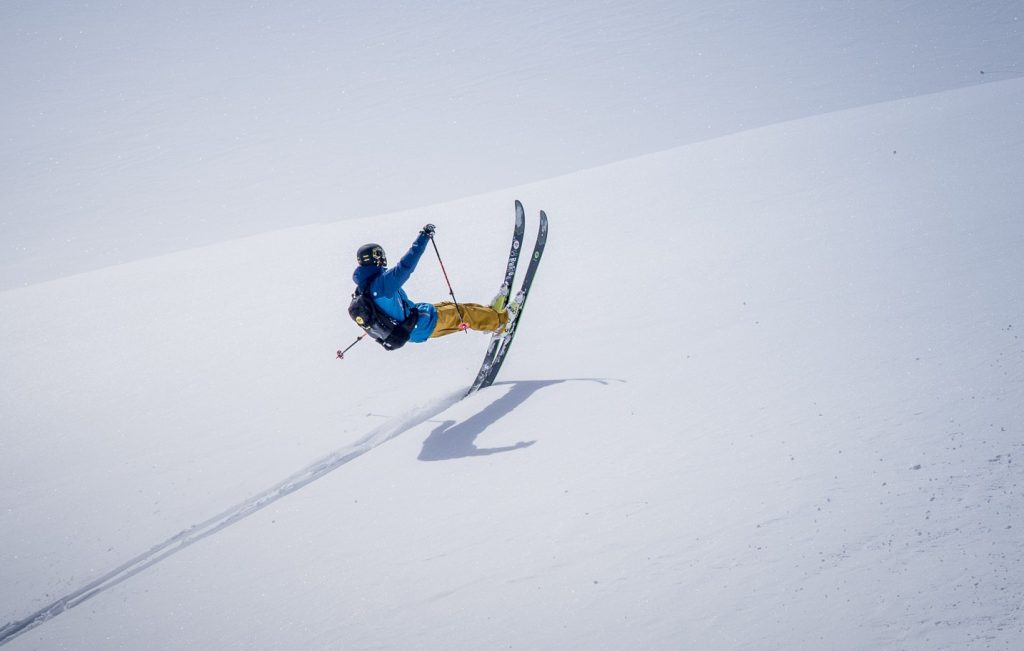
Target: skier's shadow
x,y
454,440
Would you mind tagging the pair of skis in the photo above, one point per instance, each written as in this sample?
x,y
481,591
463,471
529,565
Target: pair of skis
x,y
500,342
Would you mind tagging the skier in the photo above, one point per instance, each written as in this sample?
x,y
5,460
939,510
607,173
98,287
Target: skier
x,y
422,320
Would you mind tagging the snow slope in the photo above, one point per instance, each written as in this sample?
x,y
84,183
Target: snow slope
x,y
766,395
136,129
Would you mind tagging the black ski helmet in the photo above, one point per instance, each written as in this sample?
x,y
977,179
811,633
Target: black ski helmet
x,y
371,255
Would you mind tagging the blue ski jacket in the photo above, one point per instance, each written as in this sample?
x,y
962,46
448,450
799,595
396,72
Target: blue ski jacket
x,y
385,285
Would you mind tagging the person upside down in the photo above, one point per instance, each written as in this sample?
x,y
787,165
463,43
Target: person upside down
x,y
418,322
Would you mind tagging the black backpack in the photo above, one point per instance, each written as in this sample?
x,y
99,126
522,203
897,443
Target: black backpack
x,y
386,331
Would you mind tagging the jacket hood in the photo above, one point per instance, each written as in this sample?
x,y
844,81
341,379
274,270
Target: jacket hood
x,y
363,275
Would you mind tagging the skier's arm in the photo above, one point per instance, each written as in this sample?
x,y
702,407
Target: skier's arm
x,y
395,277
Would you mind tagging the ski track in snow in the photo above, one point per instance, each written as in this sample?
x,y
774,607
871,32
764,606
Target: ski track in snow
x,y
225,519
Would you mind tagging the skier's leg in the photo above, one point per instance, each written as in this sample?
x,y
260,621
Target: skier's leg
x,y
477,317
447,320
483,317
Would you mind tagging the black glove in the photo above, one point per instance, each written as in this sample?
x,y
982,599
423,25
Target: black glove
x,y
427,230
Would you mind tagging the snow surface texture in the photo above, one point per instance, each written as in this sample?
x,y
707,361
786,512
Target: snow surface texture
x,y
766,395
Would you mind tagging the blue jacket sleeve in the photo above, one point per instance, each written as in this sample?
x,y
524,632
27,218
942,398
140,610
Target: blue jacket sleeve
x,y
392,279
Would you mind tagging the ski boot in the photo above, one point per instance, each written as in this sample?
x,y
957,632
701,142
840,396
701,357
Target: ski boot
x,y
501,300
512,310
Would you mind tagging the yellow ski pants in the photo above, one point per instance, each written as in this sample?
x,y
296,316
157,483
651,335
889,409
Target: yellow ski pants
x,y
477,317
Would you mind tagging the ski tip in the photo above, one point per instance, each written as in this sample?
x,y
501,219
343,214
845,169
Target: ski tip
x,y
519,205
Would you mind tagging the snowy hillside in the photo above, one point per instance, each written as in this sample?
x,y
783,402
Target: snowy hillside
x,y
132,130
766,395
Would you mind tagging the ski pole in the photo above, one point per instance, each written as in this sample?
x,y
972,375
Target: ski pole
x,y
341,353
462,322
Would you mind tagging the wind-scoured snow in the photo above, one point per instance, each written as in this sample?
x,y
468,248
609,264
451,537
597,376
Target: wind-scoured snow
x,y
766,395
